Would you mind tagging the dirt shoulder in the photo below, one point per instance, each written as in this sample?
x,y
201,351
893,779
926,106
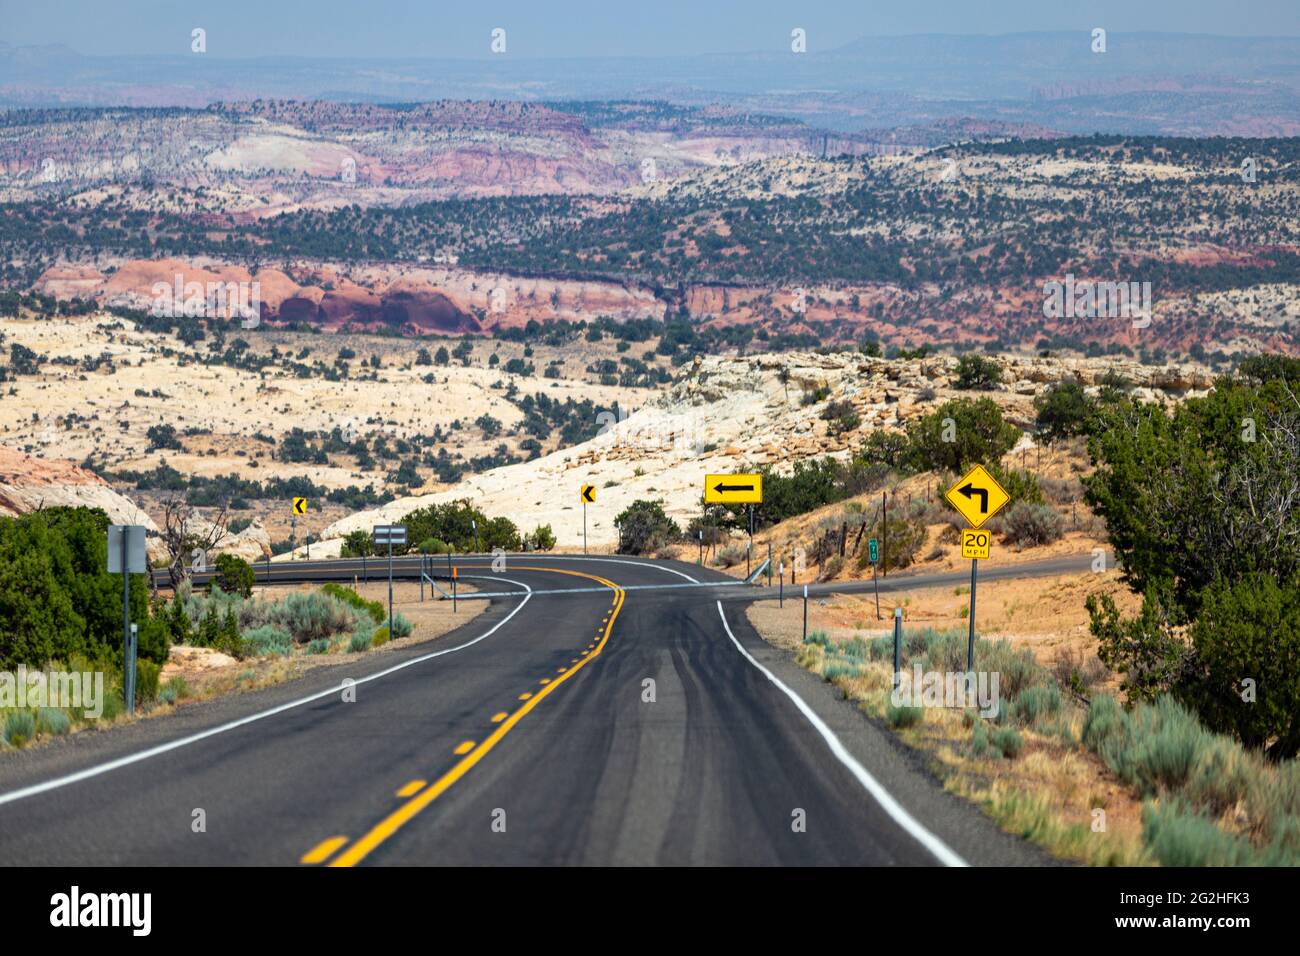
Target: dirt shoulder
x,y
1045,786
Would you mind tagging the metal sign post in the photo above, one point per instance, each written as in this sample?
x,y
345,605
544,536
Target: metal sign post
x,y
390,534
126,556
805,614
588,495
128,670
970,641
978,496
898,643
749,549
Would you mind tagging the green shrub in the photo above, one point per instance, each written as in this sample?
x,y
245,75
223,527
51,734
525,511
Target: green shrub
x,y
57,598
401,627
229,640
1036,703
1024,524
1063,411
433,546
454,521
1223,775
818,637
1164,744
114,702
20,727
51,720
1143,648
979,739
1104,729
1156,748
318,646
1150,462
1008,741
837,669
978,433
358,643
1178,836
175,689
542,538
309,616
380,637
901,538
644,527
357,544
1022,486
146,681
1250,628
904,716
975,372
234,575
267,640
375,609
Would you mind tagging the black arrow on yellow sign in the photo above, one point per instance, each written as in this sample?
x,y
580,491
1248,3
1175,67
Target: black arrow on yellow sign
x,y
589,493
300,506
969,491
725,487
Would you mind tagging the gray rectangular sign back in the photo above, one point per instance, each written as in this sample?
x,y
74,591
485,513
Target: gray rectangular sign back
x,y
136,561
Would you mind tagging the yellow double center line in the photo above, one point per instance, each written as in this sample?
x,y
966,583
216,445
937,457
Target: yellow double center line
x,y
362,848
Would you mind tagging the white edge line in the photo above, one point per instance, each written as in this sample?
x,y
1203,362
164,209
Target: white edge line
x,y
111,765
937,847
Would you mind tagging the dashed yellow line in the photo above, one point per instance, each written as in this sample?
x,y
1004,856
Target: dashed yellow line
x,y
497,718
323,850
411,789
362,848
464,747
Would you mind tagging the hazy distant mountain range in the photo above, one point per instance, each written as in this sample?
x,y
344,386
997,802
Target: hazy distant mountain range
x,y
1166,83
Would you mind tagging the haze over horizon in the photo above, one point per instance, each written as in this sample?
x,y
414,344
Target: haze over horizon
x,y
586,28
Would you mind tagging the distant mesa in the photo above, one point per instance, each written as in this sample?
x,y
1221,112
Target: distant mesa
x,y
406,304
327,301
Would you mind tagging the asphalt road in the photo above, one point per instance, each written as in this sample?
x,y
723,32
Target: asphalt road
x,y
596,726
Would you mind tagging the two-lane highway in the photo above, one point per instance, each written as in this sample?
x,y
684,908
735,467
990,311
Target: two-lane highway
x,y
609,724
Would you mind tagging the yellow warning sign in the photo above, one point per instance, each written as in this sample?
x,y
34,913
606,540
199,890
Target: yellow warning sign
x,y
589,494
976,543
733,489
300,506
977,495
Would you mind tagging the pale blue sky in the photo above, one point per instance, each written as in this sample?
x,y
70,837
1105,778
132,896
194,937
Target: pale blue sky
x,y
564,28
